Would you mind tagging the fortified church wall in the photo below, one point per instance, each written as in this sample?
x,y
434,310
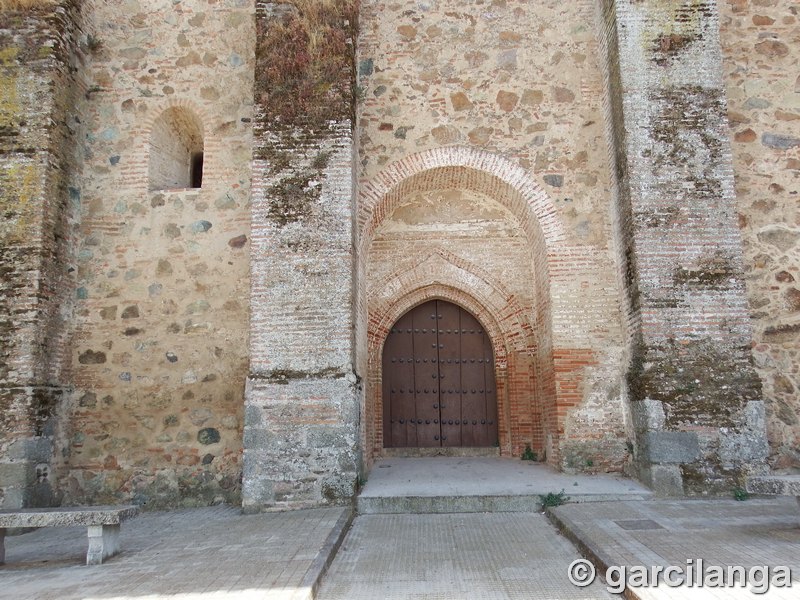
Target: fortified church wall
x,y
214,211
466,107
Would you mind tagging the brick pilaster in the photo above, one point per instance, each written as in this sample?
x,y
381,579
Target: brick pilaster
x,y
301,407
695,397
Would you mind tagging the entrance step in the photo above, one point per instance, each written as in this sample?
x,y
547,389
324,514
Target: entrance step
x,y
452,452
481,484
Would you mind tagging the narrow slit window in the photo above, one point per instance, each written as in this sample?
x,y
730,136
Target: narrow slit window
x,y
176,151
197,170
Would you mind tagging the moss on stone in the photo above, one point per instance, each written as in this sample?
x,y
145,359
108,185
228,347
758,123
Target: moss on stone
x,y
711,478
25,5
716,271
292,198
305,88
699,383
284,376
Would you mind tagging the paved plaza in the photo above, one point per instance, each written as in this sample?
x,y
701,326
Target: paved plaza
x,y
197,554
503,556
721,532
404,553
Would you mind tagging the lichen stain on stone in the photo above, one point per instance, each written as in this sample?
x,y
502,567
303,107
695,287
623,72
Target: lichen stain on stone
x,y
18,191
676,26
670,45
9,101
715,271
662,217
698,383
683,130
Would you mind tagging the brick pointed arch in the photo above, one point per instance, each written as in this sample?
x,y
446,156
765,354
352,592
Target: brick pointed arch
x,y
515,340
493,300
391,313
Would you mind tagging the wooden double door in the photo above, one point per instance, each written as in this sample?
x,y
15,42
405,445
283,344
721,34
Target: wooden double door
x,y
438,380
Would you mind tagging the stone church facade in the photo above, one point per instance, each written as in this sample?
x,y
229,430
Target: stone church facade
x,y
248,248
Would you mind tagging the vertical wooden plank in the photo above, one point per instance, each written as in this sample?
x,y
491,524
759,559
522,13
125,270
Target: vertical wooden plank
x,y
426,375
473,381
450,372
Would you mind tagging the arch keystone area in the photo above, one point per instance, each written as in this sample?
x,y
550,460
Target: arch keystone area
x,y
466,168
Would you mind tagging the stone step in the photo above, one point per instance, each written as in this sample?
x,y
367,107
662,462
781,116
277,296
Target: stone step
x,y
443,484
371,505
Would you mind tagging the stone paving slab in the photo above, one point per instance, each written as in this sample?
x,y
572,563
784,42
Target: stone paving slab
x,y
454,557
203,554
721,532
480,484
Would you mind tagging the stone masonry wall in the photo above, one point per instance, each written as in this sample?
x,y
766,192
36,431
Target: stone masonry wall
x,y
160,348
695,396
177,347
40,91
761,42
519,85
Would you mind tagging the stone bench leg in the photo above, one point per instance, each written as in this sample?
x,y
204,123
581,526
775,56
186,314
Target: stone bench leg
x,y
103,543
3,545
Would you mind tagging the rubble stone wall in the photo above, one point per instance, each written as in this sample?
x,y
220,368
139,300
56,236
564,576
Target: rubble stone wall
x,y
160,348
761,44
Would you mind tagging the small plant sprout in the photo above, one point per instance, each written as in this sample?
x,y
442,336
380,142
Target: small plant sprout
x,y
529,454
554,499
740,494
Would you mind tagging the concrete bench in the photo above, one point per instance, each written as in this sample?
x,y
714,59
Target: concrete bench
x,y
775,485
103,523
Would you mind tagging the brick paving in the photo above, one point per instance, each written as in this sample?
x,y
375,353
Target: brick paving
x,y
501,556
215,553
206,554
721,532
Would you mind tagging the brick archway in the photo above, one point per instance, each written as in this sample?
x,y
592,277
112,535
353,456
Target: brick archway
x,y
137,176
511,185
520,327
521,370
